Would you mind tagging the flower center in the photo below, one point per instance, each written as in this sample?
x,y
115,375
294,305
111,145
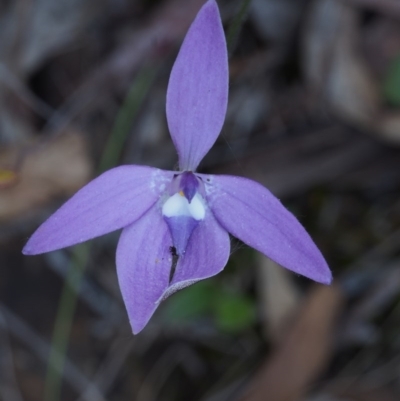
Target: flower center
x,y
178,205
183,210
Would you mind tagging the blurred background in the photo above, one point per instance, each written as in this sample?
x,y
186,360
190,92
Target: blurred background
x,y
314,115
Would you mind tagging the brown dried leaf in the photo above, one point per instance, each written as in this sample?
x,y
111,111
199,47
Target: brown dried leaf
x,y
334,66
57,168
304,353
36,30
361,390
279,296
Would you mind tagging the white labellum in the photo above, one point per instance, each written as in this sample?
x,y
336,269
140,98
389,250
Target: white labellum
x,y
178,205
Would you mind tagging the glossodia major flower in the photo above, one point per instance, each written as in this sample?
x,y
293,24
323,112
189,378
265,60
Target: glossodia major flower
x,y
176,225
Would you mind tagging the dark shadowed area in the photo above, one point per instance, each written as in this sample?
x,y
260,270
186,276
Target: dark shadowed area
x,y
314,115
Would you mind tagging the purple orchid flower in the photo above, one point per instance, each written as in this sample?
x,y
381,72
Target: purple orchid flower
x,y
176,225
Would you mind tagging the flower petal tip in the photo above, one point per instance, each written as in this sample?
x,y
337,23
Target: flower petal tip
x,y
212,3
197,94
31,249
327,279
137,327
138,323
323,275
41,242
27,251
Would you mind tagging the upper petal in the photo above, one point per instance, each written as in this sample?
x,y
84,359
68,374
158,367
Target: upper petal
x,y
206,255
251,213
111,201
143,266
198,88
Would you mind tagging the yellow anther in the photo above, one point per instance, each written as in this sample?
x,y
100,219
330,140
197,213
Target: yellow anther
x,y
7,178
181,193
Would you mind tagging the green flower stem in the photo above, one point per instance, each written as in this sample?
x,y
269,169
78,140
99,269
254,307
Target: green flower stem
x,y
129,110
62,326
81,253
236,25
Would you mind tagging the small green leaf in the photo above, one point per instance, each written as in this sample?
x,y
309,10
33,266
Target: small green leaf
x,y
234,312
190,303
391,84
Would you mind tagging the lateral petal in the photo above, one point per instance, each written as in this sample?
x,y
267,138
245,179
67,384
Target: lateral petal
x,y
206,255
251,213
143,266
198,88
111,201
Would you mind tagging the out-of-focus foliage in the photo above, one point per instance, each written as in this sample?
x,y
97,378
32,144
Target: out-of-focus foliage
x,y
229,311
313,115
391,85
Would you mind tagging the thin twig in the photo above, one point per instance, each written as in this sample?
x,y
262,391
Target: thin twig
x,y
160,372
388,7
108,372
8,383
16,85
41,348
98,300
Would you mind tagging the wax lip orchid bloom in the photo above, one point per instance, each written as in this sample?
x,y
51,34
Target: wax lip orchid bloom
x,y
176,225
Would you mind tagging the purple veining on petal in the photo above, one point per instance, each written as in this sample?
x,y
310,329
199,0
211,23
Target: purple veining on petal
x,y
181,228
188,184
197,93
111,201
251,213
143,265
